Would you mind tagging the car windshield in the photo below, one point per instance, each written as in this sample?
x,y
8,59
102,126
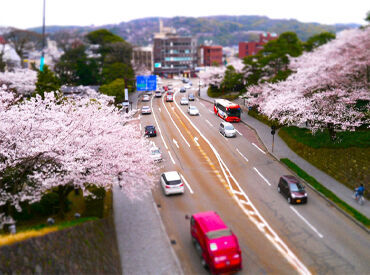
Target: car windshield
x,y
149,128
183,99
193,108
234,112
229,127
296,187
219,233
155,152
145,107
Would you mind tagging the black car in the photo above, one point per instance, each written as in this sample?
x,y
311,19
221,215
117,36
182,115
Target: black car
x,y
291,188
150,131
191,97
182,90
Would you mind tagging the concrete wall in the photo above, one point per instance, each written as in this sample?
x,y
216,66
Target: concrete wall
x,y
89,248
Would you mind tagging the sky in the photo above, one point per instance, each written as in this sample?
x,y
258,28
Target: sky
x,y
28,13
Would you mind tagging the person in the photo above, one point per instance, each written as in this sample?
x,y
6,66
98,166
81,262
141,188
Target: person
x,y
360,191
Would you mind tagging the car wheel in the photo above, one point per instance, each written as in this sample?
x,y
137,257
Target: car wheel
x,y
289,200
204,264
279,189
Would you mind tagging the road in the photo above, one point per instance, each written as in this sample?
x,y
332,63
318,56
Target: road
x,y
236,178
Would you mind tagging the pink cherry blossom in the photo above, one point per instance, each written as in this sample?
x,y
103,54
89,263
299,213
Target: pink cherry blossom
x,y
325,87
88,141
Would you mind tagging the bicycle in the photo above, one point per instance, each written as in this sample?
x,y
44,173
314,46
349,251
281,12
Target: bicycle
x,y
360,198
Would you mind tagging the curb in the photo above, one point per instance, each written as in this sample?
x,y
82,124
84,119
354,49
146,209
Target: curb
x,y
167,238
309,185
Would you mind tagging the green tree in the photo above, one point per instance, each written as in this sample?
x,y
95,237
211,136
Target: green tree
x,y
318,40
75,68
233,81
103,37
2,62
46,81
271,63
116,88
368,17
119,70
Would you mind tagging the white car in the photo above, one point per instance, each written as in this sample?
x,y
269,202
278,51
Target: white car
x,y
155,154
184,101
187,86
171,183
158,94
146,98
227,129
146,110
193,111
201,83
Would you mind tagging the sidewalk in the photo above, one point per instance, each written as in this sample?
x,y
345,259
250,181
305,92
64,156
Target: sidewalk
x,y
281,150
142,240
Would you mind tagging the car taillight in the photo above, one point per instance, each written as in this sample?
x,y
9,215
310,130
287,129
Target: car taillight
x,y
181,185
155,131
168,186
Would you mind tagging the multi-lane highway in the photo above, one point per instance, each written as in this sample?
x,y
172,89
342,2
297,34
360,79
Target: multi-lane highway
x,y
236,178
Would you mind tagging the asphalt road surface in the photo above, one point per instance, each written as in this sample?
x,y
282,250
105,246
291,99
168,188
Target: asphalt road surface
x,y
236,178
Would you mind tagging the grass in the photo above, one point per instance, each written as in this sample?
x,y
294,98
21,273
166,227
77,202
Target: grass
x,y
40,230
348,162
214,93
321,139
327,193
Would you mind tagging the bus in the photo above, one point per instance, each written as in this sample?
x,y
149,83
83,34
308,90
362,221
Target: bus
x,y
227,110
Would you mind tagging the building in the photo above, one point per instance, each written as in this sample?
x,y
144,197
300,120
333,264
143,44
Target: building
x,y
253,47
209,55
173,54
143,57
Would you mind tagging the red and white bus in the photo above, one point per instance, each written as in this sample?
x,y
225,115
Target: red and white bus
x,y
227,110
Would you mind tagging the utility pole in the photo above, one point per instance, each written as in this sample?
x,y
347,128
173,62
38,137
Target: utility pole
x,y
42,59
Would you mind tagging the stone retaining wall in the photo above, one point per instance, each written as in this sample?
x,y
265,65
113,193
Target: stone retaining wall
x,y
89,248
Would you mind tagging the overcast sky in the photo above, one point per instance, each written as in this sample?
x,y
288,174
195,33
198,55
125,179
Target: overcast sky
x,y
28,13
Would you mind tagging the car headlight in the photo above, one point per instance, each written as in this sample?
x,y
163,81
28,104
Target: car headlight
x,y
293,196
305,194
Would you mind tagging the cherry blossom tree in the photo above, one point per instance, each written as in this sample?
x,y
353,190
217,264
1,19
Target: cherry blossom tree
x,y
326,89
21,80
66,143
214,75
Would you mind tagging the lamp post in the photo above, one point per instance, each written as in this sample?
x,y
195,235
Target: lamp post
x,y
42,59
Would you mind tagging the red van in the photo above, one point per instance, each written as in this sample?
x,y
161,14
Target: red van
x,y
215,242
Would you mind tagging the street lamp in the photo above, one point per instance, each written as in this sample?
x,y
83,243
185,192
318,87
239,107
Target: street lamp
x,y
42,59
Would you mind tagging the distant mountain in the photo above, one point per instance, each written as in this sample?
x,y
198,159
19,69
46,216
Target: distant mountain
x,y
222,30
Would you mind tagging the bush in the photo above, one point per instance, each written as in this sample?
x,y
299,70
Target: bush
x,y
94,205
47,206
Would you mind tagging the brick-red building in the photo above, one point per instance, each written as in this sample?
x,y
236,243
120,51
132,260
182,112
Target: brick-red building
x,y
253,47
2,40
209,55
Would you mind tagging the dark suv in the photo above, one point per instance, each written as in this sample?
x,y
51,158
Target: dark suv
x,y
191,97
150,131
291,188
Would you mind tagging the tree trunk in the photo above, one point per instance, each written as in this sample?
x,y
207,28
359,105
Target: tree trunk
x,y
332,133
63,192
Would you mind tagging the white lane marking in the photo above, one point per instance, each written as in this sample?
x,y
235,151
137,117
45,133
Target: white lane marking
x,y
140,127
274,239
202,104
239,132
196,141
187,184
237,192
173,161
310,225
258,172
159,108
159,128
174,141
200,115
139,116
241,154
174,122
258,148
210,111
209,123
173,108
